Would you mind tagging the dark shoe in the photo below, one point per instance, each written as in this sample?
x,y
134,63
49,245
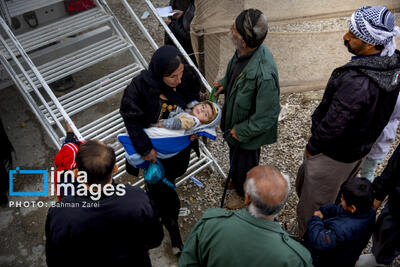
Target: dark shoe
x,y
235,202
230,186
132,170
63,84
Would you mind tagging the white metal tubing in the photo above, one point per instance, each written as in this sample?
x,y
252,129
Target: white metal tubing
x,y
194,159
69,100
111,133
42,81
94,99
84,54
29,100
205,149
27,77
103,81
62,72
101,132
140,24
193,173
103,120
120,173
197,163
85,63
176,42
5,12
122,32
31,42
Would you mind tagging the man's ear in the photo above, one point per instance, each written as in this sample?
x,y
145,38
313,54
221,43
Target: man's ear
x,y
352,208
247,199
115,169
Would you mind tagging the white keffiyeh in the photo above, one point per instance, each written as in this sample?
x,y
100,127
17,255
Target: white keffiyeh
x,y
375,25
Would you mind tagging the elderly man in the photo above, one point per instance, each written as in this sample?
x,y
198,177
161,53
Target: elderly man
x,y
251,88
247,237
357,104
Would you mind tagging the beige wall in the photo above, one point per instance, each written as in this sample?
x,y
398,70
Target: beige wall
x,y
305,60
288,9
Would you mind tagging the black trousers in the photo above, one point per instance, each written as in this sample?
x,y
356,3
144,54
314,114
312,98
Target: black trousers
x,y
165,200
243,161
386,238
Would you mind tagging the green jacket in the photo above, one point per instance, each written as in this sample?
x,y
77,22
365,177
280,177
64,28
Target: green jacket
x,y
253,106
236,238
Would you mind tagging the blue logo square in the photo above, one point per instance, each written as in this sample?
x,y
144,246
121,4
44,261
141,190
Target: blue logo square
x,y
17,170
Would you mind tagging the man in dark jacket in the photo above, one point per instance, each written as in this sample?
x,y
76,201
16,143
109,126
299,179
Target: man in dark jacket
x,y
386,238
358,101
251,87
116,230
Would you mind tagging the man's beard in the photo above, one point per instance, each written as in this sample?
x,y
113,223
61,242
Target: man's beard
x,y
237,43
346,44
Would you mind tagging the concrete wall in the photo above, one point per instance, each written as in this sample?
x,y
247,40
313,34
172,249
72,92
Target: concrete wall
x,y
289,9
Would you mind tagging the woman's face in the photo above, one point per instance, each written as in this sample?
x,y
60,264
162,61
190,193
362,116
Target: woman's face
x,y
174,79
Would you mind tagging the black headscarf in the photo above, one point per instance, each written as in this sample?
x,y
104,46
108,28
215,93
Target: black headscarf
x,y
154,75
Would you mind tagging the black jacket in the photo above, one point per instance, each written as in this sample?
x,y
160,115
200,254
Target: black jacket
x,y
141,105
388,183
181,27
117,232
357,104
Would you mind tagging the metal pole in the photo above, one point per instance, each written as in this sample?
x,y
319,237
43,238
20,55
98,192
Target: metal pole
x,y
42,81
176,42
140,24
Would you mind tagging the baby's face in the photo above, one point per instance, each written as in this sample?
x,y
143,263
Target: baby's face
x,y
202,111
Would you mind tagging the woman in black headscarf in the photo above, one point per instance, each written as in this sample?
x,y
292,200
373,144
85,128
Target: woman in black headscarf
x,y
151,96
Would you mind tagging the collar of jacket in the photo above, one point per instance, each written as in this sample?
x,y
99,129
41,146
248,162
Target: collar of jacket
x,y
245,215
344,213
358,57
382,70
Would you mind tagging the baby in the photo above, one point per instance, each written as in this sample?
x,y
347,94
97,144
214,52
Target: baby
x,y
201,113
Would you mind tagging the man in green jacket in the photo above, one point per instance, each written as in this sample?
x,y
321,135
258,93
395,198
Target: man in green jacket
x,y
251,88
247,237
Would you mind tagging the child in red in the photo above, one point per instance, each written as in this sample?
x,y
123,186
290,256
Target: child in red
x,y
65,158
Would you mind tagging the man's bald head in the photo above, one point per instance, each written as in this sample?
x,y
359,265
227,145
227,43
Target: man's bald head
x,y
267,189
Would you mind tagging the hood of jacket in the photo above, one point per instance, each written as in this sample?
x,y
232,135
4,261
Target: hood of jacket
x,y
384,71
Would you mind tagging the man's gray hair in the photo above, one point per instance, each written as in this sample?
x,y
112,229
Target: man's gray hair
x,y
257,207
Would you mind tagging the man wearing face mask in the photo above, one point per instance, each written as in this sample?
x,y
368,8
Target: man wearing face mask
x,y
357,104
251,87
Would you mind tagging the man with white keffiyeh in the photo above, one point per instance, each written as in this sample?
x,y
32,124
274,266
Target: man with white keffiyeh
x,y
357,104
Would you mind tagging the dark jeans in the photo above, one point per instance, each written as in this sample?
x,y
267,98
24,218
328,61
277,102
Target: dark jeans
x,y
244,160
164,199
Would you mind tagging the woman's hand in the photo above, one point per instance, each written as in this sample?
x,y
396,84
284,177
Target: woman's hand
x,y
151,156
193,137
160,124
